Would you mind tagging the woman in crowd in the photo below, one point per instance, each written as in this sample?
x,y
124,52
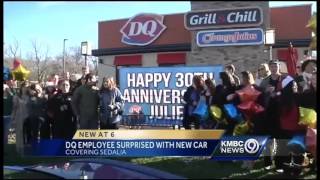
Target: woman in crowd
x,y
210,89
7,109
192,97
289,118
111,104
256,121
222,97
60,111
263,72
37,112
307,67
19,114
308,98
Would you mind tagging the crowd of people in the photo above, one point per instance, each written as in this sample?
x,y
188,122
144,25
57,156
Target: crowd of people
x,y
280,96
58,108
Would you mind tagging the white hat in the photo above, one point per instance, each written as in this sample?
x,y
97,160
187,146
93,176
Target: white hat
x,y
286,81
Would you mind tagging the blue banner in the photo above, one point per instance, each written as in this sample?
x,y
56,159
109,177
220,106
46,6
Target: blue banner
x,y
124,148
156,93
226,148
230,37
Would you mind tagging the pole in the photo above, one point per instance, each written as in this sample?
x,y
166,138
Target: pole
x,y
63,60
270,52
85,60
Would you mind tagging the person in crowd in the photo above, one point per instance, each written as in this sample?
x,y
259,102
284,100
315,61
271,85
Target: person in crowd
x,y
60,111
222,97
85,102
66,76
52,80
231,69
49,92
192,97
37,112
19,114
307,67
111,104
247,80
85,71
271,87
210,89
263,72
7,109
289,118
308,98
12,86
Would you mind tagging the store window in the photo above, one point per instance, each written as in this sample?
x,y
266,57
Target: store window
x,y
126,61
171,59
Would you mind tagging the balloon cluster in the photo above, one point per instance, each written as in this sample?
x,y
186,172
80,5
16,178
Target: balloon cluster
x,y
19,72
248,107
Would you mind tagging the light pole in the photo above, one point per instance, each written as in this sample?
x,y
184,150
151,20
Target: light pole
x,y
269,39
85,50
63,61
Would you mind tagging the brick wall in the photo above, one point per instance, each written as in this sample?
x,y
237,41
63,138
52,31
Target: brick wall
x,y
243,57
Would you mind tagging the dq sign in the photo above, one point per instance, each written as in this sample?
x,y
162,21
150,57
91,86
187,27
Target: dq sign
x,y
142,29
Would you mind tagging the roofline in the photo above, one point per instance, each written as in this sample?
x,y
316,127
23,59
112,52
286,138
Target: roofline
x,y
146,49
191,10
290,6
283,43
182,13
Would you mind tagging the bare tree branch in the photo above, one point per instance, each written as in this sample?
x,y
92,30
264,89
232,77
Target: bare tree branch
x,y
13,49
41,58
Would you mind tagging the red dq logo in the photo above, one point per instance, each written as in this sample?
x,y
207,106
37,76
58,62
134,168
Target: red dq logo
x,y
142,29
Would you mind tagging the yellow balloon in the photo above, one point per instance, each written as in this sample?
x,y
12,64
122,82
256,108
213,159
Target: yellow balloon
x,y
307,116
20,73
215,111
241,129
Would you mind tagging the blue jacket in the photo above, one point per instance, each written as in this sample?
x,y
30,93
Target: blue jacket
x,y
114,98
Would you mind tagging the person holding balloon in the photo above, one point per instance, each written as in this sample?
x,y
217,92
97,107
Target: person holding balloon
x,y
19,115
225,102
271,86
248,99
308,114
37,112
289,123
192,98
210,90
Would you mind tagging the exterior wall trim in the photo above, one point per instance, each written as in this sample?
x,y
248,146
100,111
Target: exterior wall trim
x,y
148,49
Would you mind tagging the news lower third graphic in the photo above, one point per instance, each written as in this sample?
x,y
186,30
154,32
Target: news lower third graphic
x,y
148,143
239,147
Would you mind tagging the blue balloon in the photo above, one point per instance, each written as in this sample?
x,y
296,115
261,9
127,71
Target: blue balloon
x,y
201,110
6,74
233,112
297,144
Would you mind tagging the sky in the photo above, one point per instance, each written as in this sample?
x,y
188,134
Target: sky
x,y
50,22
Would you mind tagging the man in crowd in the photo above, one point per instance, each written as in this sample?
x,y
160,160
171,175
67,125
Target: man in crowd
x,y
85,71
271,86
85,102
231,69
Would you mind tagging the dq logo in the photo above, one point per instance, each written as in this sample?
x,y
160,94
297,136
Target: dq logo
x,y
142,29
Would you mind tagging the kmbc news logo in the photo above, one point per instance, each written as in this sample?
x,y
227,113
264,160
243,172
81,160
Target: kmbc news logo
x,y
240,148
142,29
